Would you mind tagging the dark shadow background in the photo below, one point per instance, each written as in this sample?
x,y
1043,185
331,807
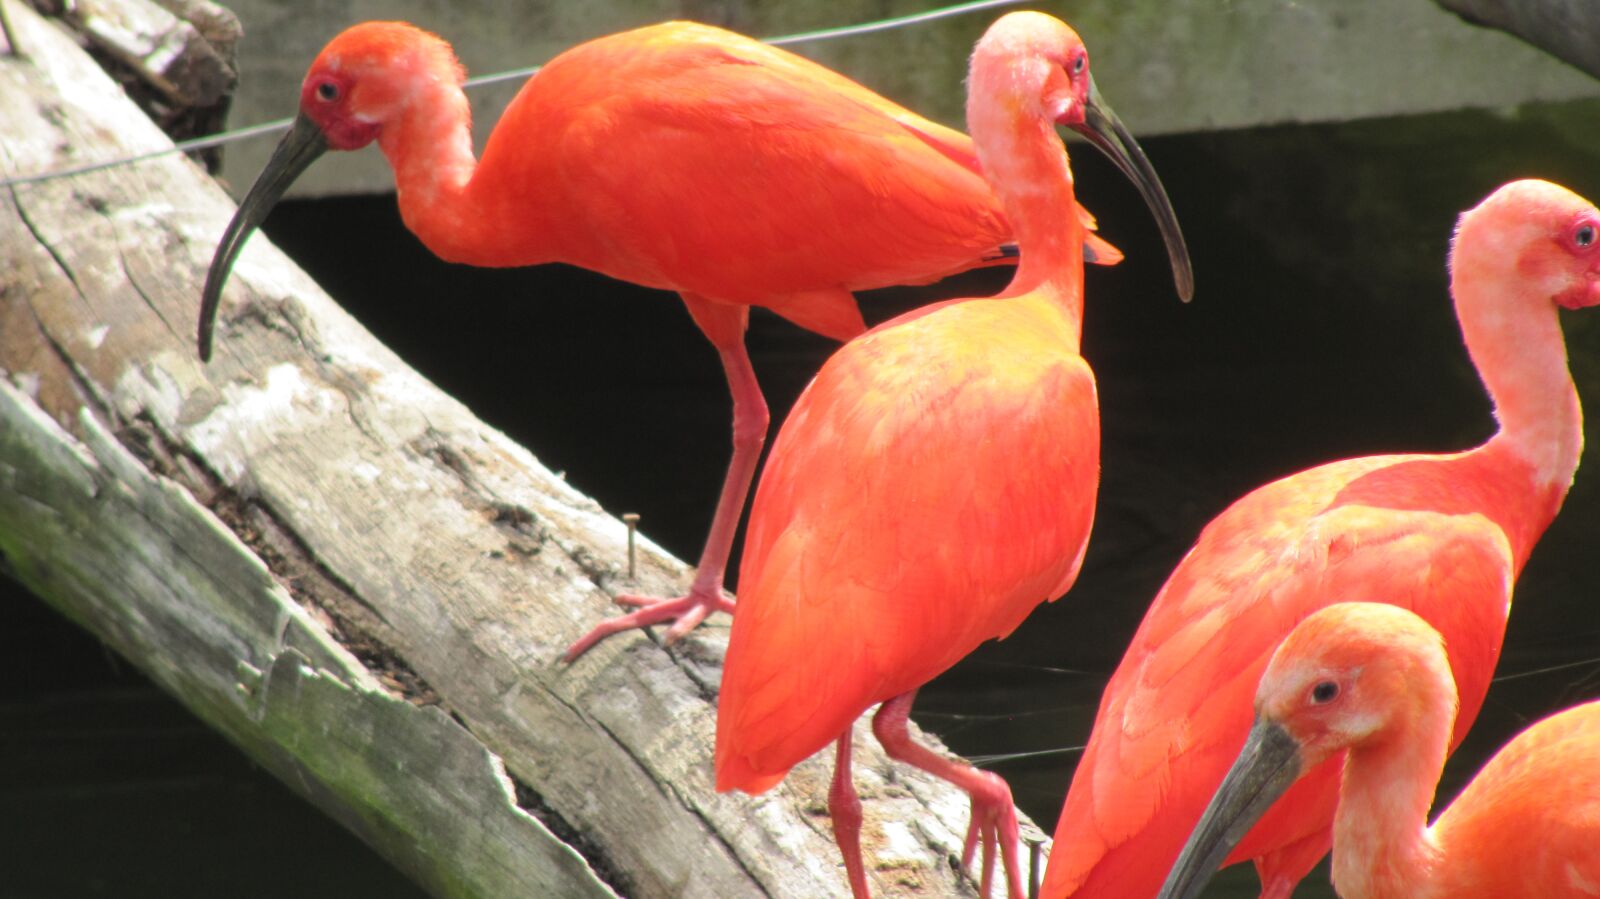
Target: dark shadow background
x,y
1321,329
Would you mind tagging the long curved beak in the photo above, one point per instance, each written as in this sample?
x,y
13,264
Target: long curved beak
x,y
1267,766
1103,129
298,149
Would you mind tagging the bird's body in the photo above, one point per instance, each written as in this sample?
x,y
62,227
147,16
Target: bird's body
x,y
1174,713
689,158
1442,535
1370,683
936,480
886,534
677,156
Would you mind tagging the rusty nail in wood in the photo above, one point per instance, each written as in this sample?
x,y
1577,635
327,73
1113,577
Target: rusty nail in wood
x,y
1035,848
631,519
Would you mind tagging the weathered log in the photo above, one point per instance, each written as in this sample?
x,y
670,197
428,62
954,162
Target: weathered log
x,y
162,50
341,569
1566,29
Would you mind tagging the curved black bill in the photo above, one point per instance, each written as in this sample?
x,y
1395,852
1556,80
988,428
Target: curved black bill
x,y
1103,129
1267,766
298,149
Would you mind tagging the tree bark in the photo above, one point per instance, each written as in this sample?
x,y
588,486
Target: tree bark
x,y
1566,29
342,570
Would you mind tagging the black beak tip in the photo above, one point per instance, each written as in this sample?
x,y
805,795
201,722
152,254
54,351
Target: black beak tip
x,y
298,149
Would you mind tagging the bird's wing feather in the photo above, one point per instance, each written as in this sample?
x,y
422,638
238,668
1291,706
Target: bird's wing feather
x,y
954,145
924,494
802,180
1177,709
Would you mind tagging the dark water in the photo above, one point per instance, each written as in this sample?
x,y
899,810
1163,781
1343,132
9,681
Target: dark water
x,y
1321,329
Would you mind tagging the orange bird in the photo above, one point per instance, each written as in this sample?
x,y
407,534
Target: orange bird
x,y
937,479
1442,535
677,156
1372,682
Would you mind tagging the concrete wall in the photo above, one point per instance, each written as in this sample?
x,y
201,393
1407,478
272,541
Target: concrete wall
x,y
1167,66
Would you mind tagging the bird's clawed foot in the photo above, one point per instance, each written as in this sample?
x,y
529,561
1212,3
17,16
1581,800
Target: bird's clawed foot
x,y
994,820
685,613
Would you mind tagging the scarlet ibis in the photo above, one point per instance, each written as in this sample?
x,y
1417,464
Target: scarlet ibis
x,y
936,480
1371,682
677,156
1442,535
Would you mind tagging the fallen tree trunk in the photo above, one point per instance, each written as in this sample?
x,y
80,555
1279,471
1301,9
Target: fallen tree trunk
x,y
340,568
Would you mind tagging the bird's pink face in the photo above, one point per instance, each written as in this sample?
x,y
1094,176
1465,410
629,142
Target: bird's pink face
x,y
368,75
1066,88
1323,707
1574,254
1031,58
1336,682
329,97
1533,240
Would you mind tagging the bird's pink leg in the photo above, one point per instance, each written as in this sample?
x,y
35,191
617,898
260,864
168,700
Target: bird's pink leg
x,y
844,806
994,818
724,324
1278,889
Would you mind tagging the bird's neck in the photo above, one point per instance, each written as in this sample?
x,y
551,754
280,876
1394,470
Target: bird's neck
x,y
438,182
1516,343
1382,846
1025,163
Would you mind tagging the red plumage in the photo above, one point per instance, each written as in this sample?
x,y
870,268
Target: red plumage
x,y
1444,536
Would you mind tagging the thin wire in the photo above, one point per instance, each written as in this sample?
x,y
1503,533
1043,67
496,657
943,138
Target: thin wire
x,y
184,146
272,127
824,34
971,718
1000,757
1583,663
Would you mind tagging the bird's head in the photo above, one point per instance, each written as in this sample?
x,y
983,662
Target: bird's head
x,y
1346,672
368,75
1539,234
1035,64
362,80
1032,67
1339,681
